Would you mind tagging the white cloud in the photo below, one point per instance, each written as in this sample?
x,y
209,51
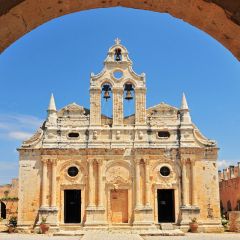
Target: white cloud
x,y
4,166
18,126
222,164
18,135
226,163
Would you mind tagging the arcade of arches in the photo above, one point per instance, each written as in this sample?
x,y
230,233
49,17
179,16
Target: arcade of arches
x,y
218,18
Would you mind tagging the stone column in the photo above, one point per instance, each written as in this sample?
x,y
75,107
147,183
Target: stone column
x,y
118,106
95,106
138,193
225,177
100,185
54,183
140,106
231,172
194,191
185,186
44,182
147,184
91,183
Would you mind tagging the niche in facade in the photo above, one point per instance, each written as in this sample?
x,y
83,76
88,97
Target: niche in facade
x,y
73,135
163,134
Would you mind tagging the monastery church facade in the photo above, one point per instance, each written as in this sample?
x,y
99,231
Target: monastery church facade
x,y
88,170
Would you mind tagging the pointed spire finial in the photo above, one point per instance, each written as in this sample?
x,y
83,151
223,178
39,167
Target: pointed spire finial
x,y
184,102
117,41
52,105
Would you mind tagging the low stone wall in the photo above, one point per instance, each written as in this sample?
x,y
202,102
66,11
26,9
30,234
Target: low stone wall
x,y
234,221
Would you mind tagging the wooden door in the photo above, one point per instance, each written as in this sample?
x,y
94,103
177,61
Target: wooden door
x,y
119,205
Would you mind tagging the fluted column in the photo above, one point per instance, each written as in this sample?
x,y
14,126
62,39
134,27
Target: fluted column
x,y
91,183
44,182
100,185
53,183
138,196
185,185
147,183
194,191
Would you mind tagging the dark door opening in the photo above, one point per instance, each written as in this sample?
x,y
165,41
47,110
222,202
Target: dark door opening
x,y
166,211
72,206
3,211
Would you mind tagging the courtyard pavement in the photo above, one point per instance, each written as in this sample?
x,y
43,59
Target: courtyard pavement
x,y
106,236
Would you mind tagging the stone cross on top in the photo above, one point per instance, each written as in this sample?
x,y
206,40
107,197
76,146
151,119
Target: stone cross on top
x,y
117,41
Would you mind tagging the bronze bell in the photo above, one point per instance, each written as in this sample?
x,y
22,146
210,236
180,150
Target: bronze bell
x,y
128,95
106,95
106,88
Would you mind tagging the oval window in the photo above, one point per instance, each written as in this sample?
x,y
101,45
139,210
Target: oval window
x,y
73,135
163,134
73,171
164,171
117,74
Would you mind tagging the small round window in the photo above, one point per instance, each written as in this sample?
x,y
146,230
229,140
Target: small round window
x,y
117,74
73,171
164,171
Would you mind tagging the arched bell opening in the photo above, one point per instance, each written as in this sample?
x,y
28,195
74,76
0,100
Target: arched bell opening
x,y
107,100
128,99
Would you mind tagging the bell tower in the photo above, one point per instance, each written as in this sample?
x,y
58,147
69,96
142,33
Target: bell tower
x,y
118,77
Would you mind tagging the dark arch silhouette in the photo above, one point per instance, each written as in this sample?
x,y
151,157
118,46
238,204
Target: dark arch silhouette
x,y
218,18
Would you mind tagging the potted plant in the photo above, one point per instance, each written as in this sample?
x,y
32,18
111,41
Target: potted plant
x,y
224,222
43,225
193,225
12,224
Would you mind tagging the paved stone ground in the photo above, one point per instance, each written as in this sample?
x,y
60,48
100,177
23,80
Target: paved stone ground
x,y
118,236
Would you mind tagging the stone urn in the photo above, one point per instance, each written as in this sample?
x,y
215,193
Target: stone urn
x,y
193,225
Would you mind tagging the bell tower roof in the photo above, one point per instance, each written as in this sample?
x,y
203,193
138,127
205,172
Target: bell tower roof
x,y
118,55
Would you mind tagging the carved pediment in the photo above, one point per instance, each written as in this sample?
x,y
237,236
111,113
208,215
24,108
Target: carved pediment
x,y
73,109
162,109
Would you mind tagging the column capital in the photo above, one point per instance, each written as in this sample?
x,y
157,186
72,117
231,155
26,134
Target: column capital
x,y
53,161
138,161
44,160
90,160
117,89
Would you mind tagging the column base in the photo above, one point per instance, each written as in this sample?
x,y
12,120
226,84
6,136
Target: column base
x,y
50,213
143,215
95,215
188,213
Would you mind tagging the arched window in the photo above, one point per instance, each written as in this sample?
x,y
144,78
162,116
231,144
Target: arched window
x,y
3,210
229,206
107,101
129,99
118,55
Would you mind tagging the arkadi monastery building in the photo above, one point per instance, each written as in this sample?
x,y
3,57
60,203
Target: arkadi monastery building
x,y
86,170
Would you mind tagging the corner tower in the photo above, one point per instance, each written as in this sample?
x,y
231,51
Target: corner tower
x,y
118,77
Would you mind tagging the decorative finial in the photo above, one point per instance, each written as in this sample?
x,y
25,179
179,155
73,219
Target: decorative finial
x,y
117,41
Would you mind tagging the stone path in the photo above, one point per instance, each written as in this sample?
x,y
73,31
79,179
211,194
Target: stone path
x,y
121,236
110,236
198,236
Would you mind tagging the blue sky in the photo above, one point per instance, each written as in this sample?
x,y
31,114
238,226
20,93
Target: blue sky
x,y
59,56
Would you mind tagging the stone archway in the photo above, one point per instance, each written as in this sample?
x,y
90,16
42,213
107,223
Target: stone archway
x,y
218,18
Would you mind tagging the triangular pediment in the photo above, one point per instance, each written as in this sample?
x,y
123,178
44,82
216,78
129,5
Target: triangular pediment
x,y
73,109
162,107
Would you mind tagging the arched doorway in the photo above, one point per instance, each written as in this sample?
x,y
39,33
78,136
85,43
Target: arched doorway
x,y
3,211
218,18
